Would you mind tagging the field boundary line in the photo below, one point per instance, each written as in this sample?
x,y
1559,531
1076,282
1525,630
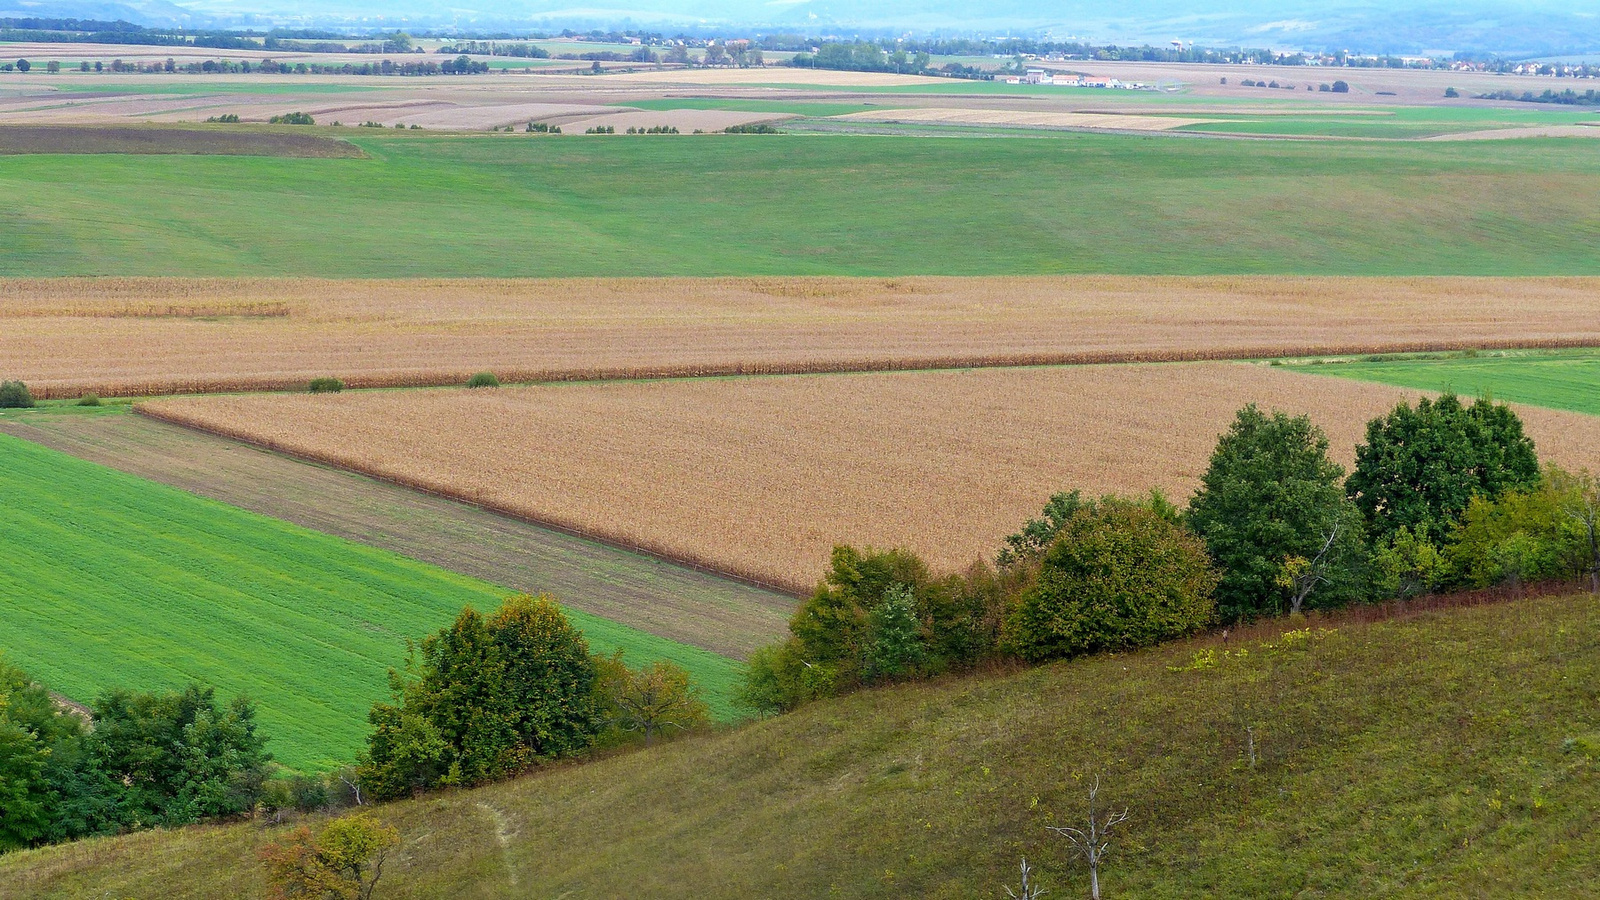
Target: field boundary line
x,y
454,378
688,561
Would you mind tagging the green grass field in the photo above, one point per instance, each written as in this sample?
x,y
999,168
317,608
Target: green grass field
x,y
462,205
1448,755
1564,380
111,581
1398,121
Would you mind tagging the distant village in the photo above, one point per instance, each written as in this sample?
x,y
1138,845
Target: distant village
x,y
1067,79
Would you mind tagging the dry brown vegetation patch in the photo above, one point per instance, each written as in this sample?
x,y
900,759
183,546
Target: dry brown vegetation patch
x,y
760,477
24,139
109,335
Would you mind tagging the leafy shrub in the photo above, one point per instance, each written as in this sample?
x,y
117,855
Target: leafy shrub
x,y
1406,565
758,128
15,395
1273,513
326,386
89,399
294,118
878,616
1118,575
655,700
1038,534
488,698
1521,537
344,860
225,118
1420,467
483,379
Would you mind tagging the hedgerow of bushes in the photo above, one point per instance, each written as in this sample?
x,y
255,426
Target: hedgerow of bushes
x,y
1444,495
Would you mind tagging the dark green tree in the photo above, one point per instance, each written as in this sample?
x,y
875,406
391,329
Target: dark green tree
x,y
1273,514
15,395
1421,466
1118,575
178,757
894,646
487,698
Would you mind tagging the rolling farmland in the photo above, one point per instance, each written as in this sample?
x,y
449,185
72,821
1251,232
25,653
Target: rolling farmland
x,y
113,581
526,205
762,476
67,336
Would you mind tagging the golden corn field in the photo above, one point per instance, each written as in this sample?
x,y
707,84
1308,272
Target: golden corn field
x,y
760,477
146,336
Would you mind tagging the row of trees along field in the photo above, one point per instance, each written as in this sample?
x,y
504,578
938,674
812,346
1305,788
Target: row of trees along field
x,y
149,759
1444,495
485,698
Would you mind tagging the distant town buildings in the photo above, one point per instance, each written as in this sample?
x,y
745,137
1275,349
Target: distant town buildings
x,y
1065,79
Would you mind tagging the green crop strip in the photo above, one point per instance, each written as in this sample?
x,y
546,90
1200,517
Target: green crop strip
x,y
107,580
1569,381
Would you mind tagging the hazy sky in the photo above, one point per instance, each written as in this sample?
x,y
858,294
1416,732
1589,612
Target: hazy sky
x,y
1403,26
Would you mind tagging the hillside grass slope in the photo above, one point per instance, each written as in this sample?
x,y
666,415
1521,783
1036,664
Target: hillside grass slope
x,y
1440,754
426,204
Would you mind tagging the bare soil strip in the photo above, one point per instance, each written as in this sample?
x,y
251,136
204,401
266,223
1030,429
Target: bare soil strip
x,y
77,139
146,336
761,477
658,597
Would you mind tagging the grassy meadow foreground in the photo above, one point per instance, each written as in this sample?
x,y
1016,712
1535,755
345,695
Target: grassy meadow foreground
x,y
71,335
164,587
1446,754
761,477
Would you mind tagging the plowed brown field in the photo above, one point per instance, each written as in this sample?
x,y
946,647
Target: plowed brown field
x,y
760,477
120,336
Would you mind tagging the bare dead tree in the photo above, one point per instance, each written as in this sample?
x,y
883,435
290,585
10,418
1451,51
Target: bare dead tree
x,y
354,785
1030,891
1093,841
1581,502
1301,576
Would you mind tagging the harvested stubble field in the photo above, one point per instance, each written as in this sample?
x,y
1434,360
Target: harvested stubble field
x,y
760,477
142,336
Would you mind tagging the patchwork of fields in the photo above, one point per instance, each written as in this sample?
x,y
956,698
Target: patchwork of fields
x,y
736,351
760,477
67,336
653,596
113,581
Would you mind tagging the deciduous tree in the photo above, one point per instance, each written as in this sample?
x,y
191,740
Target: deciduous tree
x,y
1272,511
